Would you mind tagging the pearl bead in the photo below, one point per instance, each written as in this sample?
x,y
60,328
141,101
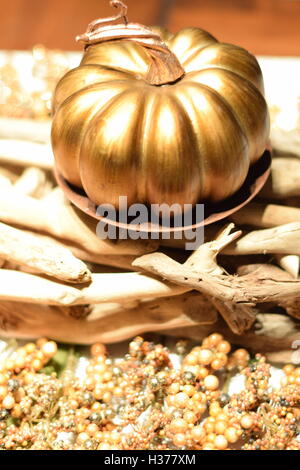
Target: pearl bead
x,y
92,429
180,399
3,392
241,356
205,356
178,425
49,348
220,427
82,437
215,339
191,359
211,382
198,433
190,417
208,447
224,347
246,421
288,369
231,435
221,442
179,440
189,390
203,372
174,388
98,349
8,402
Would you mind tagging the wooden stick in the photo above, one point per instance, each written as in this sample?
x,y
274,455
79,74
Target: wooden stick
x,y
56,216
290,304
284,181
284,239
33,182
26,153
9,173
112,287
25,129
191,304
290,263
42,256
25,320
286,142
123,262
204,258
248,289
266,215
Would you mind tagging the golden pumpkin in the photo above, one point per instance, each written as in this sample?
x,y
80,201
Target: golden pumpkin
x,y
157,117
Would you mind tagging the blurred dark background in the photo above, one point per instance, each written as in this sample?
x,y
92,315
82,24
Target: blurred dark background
x,y
270,27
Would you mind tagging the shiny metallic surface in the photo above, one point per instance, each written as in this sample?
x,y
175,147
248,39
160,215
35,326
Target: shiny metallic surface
x,y
213,212
186,140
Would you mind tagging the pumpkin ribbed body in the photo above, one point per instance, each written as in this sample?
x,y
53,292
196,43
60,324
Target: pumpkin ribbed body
x,y
115,134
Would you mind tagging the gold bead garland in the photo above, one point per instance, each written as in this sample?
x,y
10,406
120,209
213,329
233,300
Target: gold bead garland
x,y
161,407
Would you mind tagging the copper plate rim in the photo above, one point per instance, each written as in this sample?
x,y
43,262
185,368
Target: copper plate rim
x,y
256,178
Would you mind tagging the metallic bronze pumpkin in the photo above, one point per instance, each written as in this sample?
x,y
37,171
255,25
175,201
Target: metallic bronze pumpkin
x,y
157,117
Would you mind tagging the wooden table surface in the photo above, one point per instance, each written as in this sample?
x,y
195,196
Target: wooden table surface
x,y
270,27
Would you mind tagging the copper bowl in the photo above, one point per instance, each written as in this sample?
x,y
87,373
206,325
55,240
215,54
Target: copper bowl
x,y
256,178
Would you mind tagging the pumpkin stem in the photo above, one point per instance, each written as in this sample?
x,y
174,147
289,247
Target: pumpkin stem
x,y
93,25
164,68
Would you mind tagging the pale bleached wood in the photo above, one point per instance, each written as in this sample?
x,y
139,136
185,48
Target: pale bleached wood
x,y
41,255
239,317
248,289
192,304
284,181
33,182
284,239
286,142
290,263
123,262
25,320
26,153
291,304
113,287
266,215
25,129
56,216
204,258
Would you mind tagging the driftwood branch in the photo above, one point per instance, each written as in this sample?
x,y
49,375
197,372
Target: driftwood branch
x,y
55,215
25,129
266,215
284,181
112,287
26,153
25,320
290,263
286,142
271,332
284,239
42,256
248,289
204,259
33,182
